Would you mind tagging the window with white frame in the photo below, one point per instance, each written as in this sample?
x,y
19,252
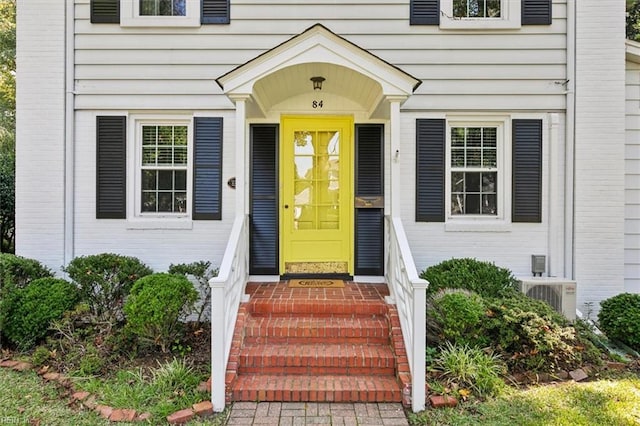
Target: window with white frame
x,y
163,169
480,14
160,13
475,170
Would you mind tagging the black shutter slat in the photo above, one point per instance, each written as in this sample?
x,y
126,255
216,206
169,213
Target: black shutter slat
x,y
207,169
369,256
111,167
215,12
527,171
105,11
369,222
430,170
263,231
424,12
536,12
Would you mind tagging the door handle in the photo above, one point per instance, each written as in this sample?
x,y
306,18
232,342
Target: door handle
x,y
286,206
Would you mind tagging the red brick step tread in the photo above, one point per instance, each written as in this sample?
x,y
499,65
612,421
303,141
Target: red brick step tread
x,y
322,308
317,359
289,388
309,329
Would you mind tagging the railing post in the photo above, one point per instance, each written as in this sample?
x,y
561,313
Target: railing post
x,y
419,345
218,353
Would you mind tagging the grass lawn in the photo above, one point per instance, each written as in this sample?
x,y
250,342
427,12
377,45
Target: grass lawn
x,y
26,399
602,402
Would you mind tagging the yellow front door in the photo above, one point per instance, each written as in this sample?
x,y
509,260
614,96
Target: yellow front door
x,y
316,198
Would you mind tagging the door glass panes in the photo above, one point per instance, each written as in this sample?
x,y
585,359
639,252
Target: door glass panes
x,y
316,162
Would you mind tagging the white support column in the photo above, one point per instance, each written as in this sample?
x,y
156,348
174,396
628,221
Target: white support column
x,y
242,171
394,124
218,345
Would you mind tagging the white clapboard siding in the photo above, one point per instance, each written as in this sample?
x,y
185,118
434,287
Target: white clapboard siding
x,y
632,180
513,67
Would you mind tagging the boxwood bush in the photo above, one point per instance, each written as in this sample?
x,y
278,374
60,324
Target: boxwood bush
x,y
18,271
619,319
483,278
105,280
455,316
156,305
30,310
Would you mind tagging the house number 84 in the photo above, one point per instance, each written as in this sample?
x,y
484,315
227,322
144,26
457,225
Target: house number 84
x,y
316,104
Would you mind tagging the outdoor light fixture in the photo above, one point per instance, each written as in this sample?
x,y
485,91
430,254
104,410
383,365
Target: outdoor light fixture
x,y
317,82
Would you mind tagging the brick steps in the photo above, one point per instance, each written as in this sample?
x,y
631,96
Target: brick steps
x,y
332,345
329,388
309,329
317,359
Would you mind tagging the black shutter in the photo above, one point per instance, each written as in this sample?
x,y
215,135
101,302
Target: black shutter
x,y
207,169
430,170
263,231
215,12
111,167
105,11
527,171
536,12
424,12
369,212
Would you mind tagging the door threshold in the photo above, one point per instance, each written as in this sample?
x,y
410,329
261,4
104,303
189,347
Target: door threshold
x,y
321,276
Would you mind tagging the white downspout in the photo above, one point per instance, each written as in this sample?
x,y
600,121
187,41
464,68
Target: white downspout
x,y
569,200
69,124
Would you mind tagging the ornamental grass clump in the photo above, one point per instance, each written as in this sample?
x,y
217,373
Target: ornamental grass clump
x,y
156,305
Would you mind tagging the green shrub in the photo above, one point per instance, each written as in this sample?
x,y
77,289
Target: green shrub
x,y
155,306
455,316
530,335
619,319
201,273
471,368
30,310
483,278
105,280
18,271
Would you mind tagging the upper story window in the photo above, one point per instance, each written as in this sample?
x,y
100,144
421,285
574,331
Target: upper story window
x,y
480,14
476,8
163,8
160,13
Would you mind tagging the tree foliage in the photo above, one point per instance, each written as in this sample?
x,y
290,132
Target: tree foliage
x,y
633,20
7,123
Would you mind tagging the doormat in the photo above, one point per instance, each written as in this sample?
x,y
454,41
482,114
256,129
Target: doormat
x,y
316,283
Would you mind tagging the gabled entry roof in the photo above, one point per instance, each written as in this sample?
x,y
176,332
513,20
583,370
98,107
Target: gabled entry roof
x,y
350,71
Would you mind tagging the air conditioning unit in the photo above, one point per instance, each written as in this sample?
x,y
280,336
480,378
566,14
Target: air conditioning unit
x,y
558,292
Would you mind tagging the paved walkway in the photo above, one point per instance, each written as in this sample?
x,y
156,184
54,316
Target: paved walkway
x,y
316,413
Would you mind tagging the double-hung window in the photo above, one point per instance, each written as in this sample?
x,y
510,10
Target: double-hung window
x,y
480,14
474,171
160,13
163,169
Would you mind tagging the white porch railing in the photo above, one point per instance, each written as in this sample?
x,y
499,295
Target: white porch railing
x,y
408,291
227,290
